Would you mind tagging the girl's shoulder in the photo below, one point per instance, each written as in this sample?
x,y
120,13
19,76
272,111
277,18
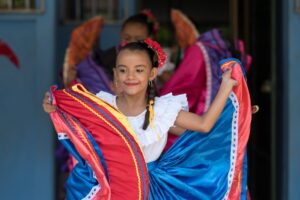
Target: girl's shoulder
x,y
170,98
169,103
107,97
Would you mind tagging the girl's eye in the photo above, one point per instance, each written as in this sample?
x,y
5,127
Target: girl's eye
x,y
122,70
139,70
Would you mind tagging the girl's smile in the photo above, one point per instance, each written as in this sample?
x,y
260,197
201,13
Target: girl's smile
x,y
130,84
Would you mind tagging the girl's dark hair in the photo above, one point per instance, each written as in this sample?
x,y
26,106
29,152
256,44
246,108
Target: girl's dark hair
x,y
151,90
152,93
141,19
142,46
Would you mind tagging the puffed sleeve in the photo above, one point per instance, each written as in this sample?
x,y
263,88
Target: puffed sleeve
x,y
167,107
107,97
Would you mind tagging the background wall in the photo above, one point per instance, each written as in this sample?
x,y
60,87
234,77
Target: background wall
x,y
26,135
291,106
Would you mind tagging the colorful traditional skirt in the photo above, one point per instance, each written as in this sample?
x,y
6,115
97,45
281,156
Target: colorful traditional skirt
x,y
110,161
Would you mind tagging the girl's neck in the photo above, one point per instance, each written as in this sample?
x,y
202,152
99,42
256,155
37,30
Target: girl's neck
x,y
131,105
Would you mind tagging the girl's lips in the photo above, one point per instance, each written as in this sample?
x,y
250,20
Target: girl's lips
x,y
131,84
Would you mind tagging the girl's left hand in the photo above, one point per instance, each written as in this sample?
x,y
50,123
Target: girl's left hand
x,y
226,78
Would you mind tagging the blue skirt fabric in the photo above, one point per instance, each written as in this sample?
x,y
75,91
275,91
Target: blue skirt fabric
x,y
199,165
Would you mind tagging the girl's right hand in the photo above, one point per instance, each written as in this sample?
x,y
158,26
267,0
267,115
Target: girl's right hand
x,y
48,108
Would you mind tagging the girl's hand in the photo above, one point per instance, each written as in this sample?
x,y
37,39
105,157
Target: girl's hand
x,y
48,108
205,122
226,78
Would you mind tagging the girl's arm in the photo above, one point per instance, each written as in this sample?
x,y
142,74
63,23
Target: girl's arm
x,y
176,130
205,122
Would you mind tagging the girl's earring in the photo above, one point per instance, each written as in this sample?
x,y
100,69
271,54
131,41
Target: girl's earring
x,y
150,83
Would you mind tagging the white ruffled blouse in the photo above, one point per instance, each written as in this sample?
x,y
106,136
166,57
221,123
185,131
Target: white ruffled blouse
x,y
154,138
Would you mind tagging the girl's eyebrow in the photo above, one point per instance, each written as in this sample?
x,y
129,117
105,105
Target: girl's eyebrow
x,y
136,66
121,66
140,66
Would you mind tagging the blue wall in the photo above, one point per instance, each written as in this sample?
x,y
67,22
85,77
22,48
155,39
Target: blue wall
x,y
26,134
291,104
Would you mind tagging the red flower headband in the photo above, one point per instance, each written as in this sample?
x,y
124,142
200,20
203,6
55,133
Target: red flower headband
x,y
152,19
161,55
155,46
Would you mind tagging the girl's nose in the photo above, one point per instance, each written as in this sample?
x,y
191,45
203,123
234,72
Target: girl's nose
x,y
130,74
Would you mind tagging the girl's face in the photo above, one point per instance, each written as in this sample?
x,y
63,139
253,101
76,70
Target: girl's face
x,y
134,32
134,71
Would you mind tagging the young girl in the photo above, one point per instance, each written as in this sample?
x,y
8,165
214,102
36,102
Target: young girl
x,y
184,172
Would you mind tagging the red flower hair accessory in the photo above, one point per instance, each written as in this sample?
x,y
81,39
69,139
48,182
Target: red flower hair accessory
x,y
152,19
123,43
161,55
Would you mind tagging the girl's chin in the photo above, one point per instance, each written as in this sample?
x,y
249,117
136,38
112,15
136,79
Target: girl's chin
x,y
131,91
